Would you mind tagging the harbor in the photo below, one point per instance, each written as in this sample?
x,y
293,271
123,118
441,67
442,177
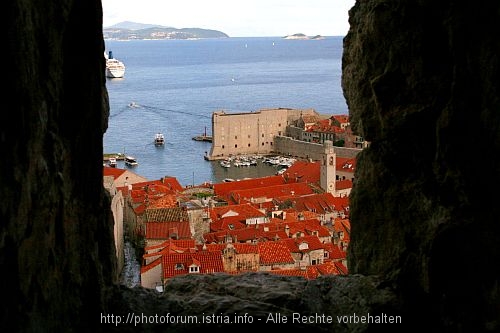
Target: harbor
x,y
178,100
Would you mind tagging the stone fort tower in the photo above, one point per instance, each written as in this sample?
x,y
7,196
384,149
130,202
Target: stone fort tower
x,y
246,133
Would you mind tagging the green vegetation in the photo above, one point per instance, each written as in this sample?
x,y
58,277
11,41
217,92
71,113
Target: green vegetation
x,y
131,31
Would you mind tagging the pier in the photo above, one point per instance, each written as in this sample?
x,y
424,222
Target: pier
x,y
203,137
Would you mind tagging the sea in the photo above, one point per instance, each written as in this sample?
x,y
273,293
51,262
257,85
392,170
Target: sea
x,y
174,86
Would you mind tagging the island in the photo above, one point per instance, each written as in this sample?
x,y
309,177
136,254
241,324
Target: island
x,y
139,31
303,36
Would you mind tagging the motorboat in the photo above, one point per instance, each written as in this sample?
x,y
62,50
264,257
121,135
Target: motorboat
x,y
130,160
112,162
159,139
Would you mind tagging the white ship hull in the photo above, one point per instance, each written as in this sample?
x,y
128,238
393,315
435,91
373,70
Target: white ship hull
x,y
114,68
115,72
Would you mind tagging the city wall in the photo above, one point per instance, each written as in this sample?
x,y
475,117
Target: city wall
x,y
288,146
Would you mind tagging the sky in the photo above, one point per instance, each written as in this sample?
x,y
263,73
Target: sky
x,y
237,18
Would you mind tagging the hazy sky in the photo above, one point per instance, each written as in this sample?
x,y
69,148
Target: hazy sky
x,y
250,18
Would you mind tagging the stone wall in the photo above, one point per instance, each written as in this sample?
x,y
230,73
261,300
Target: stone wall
x,y
421,83
57,254
308,150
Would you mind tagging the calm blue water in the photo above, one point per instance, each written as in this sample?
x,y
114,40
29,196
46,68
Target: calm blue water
x,y
177,84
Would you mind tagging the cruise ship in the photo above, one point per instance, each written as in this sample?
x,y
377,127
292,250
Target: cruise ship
x,y
114,67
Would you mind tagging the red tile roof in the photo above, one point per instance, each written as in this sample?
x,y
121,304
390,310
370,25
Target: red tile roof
x,y
343,184
223,189
341,118
343,225
320,203
166,230
169,183
325,126
228,223
303,171
330,268
334,252
345,164
171,246
237,235
114,172
294,244
270,192
311,227
292,215
274,253
151,265
241,211
178,263
239,247
341,269
309,273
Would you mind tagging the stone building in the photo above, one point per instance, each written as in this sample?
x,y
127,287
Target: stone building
x,y
251,132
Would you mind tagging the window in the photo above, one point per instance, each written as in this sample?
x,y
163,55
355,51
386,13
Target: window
x,y
194,269
179,267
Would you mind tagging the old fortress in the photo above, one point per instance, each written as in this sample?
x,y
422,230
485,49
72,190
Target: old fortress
x,y
293,223
297,132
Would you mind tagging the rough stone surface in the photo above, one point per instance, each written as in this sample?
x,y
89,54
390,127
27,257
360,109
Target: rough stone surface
x,y
266,298
421,83
56,233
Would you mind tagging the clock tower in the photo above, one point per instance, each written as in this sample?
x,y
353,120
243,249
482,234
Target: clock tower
x,y
328,168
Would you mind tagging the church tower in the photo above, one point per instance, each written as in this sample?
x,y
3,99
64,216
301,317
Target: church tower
x,y
328,168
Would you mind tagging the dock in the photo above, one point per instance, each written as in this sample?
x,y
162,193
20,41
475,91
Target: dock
x,y
206,138
203,137
117,156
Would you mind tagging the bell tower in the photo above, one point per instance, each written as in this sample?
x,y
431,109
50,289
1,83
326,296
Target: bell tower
x,y
328,168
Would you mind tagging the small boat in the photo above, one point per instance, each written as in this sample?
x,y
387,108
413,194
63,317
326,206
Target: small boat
x,y
159,139
225,164
114,67
112,162
130,161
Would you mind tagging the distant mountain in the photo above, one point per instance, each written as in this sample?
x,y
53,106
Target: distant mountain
x,y
132,30
134,26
